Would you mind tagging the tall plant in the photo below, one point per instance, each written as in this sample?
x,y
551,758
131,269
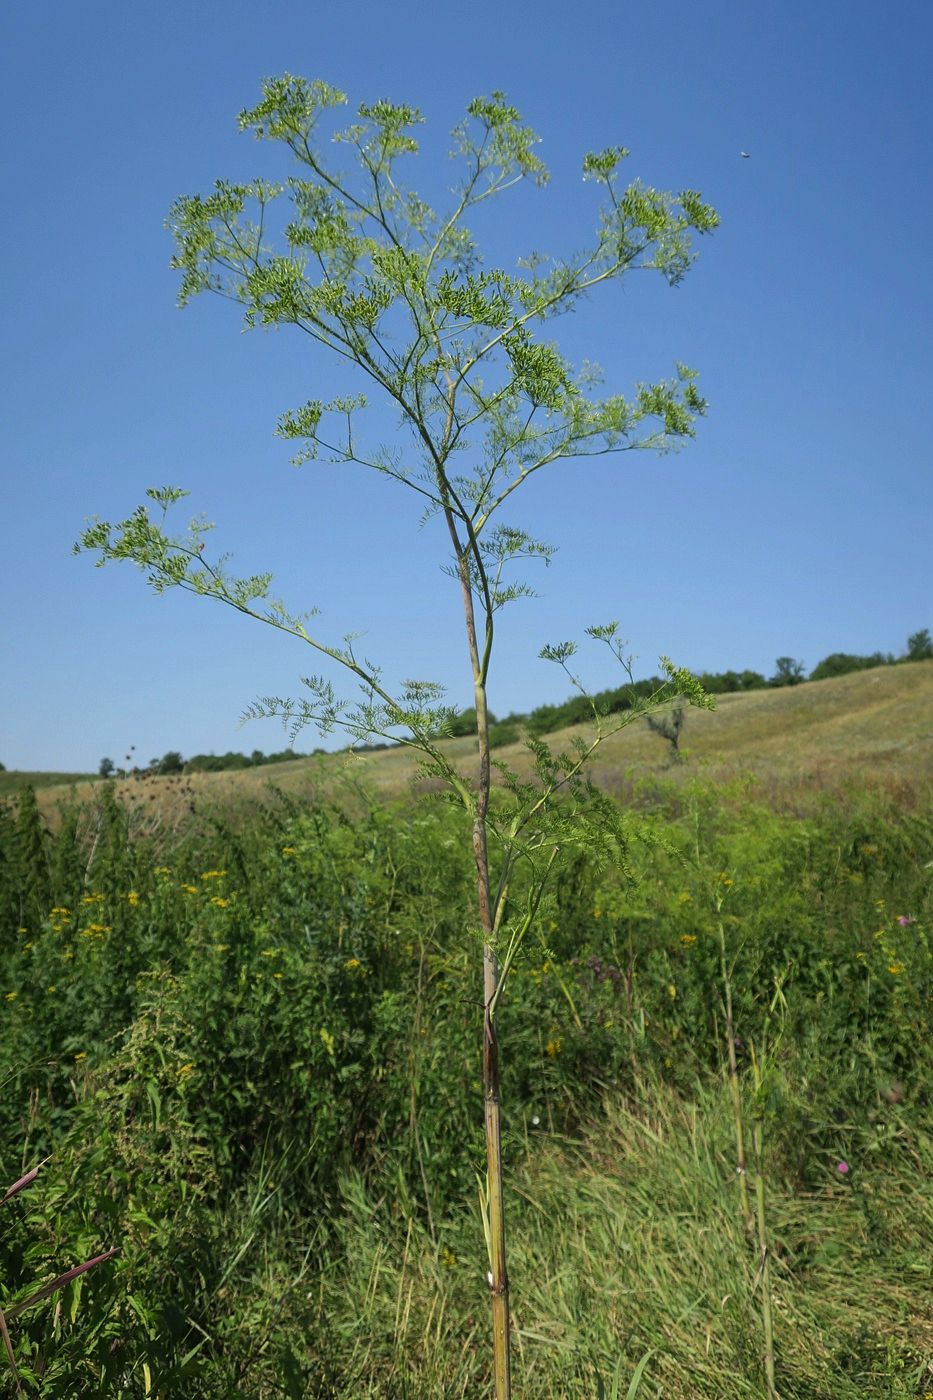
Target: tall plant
x,y
370,273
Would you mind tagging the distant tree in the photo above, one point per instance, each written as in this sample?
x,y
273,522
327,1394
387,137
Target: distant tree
x,y
107,768
752,680
920,646
842,663
2,767
715,683
171,762
787,672
465,722
669,727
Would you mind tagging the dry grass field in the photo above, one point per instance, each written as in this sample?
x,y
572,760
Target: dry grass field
x,y
867,731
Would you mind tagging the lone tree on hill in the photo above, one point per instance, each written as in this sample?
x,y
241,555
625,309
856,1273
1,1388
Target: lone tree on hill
x,y
669,727
920,645
787,671
368,272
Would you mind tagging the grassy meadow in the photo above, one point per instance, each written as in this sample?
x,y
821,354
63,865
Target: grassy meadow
x,y
241,1020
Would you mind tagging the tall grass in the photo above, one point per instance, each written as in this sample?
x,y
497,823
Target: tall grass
x,y
630,1243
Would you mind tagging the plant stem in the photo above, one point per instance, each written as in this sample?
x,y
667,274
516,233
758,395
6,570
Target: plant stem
x,y
8,1348
734,1087
498,1276
764,1254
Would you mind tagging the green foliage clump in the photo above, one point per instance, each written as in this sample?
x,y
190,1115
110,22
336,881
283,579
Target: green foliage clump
x,y
919,646
841,663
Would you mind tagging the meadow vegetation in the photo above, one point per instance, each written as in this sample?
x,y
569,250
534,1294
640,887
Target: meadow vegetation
x,y
250,1041
249,1045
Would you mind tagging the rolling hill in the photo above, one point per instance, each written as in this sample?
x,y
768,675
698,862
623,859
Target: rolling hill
x,y
868,729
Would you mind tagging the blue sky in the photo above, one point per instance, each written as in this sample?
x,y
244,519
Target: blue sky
x,y
797,523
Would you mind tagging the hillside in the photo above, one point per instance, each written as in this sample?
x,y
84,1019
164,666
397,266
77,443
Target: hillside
x,y
868,729
10,782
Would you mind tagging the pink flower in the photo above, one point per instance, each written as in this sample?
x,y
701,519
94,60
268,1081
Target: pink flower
x,y
842,1168
904,920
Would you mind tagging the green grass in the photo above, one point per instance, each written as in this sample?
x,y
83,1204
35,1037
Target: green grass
x,y
626,1240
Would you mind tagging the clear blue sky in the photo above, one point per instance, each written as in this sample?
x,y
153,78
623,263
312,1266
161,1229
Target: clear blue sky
x,y
797,523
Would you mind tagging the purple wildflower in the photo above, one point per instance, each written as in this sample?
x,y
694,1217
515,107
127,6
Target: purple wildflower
x,y
842,1168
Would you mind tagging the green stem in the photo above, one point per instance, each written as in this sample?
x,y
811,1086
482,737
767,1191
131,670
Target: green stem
x,y
735,1091
8,1348
764,1253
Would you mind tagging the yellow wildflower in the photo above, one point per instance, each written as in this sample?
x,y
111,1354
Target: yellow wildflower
x,y
213,874
81,1055
725,878
352,962
29,944
688,938
448,1257
221,903
221,947
59,912
22,930
93,898
553,1047
895,968
185,1070
270,953
672,991
133,897
597,913
189,889
277,976
11,996
162,870
288,850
